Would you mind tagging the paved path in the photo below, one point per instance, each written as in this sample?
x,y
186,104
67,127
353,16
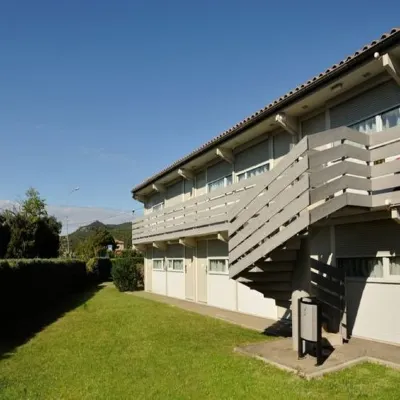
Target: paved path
x,y
280,353
245,320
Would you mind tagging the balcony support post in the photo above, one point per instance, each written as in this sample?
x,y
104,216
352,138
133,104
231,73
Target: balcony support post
x,y
188,242
186,174
392,67
160,245
289,124
225,154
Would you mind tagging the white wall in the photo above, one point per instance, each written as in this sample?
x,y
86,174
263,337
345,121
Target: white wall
x,y
176,284
221,291
374,309
159,282
253,302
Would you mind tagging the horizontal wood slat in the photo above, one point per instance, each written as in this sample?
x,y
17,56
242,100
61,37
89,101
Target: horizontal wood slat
x,y
328,208
385,136
270,266
275,188
298,150
325,174
281,201
341,133
292,229
344,182
281,255
385,168
193,232
295,207
335,153
328,284
328,298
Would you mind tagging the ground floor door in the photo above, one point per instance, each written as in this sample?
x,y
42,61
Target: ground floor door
x,y
189,274
159,282
148,276
372,311
201,272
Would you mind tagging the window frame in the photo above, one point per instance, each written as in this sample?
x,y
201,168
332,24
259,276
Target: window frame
x,y
252,168
162,264
219,179
378,119
160,205
386,278
171,261
226,259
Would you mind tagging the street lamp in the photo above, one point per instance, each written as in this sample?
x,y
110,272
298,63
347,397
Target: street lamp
x,y
69,194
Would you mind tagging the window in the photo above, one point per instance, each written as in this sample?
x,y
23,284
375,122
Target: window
x,y
394,266
175,265
379,122
362,267
218,265
158,207
158,264
253,172
218,183
378,268
391,118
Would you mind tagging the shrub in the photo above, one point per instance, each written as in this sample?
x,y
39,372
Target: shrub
x,y
99,269
27,285
126,273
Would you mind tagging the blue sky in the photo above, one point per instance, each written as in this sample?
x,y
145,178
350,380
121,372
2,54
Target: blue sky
x,y
102,94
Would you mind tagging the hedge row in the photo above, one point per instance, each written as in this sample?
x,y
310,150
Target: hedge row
x,y
127,273
26,285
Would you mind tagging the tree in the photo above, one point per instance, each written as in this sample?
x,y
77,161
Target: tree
x,y
95,245
5,235
28,230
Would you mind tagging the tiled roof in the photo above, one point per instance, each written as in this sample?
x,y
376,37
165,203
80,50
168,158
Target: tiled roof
x,y
350,61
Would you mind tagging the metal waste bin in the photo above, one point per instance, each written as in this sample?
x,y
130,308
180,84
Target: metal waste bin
x,y
310,326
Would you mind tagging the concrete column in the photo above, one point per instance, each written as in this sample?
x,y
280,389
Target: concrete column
x,y
300,285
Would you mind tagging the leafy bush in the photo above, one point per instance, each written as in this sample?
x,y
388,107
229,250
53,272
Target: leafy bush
x,y
26,285
126,273
99,269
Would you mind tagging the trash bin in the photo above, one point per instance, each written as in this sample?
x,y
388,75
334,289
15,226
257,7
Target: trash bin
x,y
310,326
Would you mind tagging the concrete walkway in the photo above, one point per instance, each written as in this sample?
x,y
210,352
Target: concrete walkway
x,y
279,352
244,320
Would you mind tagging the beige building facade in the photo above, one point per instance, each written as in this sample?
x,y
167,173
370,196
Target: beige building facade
x,y
301,198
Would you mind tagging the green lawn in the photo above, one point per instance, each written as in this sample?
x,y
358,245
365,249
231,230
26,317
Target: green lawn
x,y
118,346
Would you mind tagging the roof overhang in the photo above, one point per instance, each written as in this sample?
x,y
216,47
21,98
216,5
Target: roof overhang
x,y
355,70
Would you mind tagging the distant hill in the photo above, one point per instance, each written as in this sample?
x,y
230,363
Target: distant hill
x,y
118,231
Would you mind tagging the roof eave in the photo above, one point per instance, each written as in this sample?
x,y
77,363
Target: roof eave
x,y
290,99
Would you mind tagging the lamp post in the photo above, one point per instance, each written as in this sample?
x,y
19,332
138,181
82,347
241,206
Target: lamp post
x,y
66,218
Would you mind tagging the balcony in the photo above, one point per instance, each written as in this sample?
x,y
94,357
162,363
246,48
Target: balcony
x,y
201,215
322,174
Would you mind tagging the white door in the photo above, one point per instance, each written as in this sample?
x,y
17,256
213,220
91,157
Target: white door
x,y
189,274
371,310
159,283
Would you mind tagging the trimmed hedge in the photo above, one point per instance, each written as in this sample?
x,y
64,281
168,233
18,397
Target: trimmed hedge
x,y
99,269
26,285
127,273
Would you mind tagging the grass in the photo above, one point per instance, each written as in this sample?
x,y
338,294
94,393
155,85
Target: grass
x,y
117,346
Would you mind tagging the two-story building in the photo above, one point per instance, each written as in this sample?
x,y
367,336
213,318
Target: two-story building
x,y
299,198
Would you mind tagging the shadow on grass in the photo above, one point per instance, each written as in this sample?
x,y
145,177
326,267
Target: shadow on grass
x,y
20,329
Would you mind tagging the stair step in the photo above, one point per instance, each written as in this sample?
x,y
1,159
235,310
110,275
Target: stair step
x,y
271,266
281,255
285,296
292,244
271,286
267,276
